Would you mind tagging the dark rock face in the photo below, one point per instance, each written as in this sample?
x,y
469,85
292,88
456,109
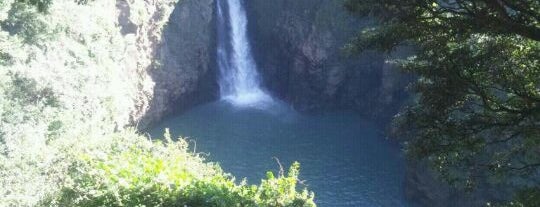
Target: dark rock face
x,y
187,69
425,189
299,49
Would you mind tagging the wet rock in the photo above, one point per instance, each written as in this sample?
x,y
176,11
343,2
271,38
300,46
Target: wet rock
x,y
299,48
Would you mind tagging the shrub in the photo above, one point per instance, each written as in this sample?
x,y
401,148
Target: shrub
x,y
134,171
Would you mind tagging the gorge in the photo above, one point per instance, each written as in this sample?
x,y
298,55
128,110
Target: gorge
x,y
264,103
299,51
298,47
344,158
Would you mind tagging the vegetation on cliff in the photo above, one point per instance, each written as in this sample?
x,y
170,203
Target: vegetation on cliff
x,y
70,81
477,111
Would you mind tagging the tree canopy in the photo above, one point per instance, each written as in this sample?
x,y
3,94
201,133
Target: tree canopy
x,y
43,5
476,109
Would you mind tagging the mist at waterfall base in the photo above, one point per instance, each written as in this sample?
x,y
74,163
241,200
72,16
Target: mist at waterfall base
x,y
344,159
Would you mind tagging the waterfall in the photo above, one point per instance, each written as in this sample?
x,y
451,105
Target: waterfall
x,y
239,80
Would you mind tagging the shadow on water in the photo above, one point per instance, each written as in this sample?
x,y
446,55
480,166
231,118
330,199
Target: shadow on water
x,y
345,160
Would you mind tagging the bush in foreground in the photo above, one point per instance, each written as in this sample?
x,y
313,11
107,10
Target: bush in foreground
x,y
134,171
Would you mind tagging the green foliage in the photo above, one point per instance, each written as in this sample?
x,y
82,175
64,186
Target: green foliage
x,y
60,84
41,5
24,21
133,171
436,20
27,91
68,91
477,109
526,198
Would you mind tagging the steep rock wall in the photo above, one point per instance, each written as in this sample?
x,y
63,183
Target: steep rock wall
x,y
141,24
184,69
299,48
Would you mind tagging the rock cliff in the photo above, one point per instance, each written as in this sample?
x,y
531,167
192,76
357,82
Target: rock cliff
x,y
172,55
299,48
184,74
141,25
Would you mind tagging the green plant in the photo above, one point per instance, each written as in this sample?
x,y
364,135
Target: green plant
x,y
475,116
134,171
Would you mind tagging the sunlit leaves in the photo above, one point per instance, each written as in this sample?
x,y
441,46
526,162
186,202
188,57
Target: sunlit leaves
x,y
138,172
41,5
61,83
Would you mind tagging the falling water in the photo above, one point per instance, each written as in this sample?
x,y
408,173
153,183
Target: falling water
x,y
239,80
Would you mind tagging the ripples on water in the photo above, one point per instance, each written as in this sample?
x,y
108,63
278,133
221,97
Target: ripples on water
x,y
344,159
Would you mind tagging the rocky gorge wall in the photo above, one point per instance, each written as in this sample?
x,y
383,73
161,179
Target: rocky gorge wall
x,y
172,53
184,74
299,46
143,31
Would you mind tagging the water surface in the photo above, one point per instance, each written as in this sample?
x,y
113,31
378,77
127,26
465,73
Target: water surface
x,y
344,159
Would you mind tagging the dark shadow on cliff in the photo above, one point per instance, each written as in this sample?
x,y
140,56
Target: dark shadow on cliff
x,y
186,73
299,45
